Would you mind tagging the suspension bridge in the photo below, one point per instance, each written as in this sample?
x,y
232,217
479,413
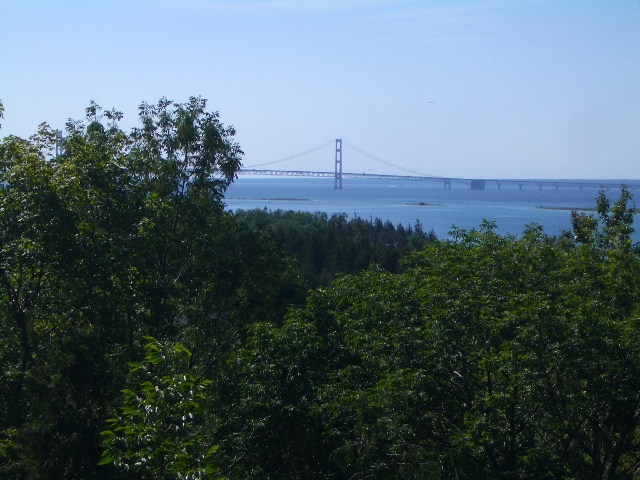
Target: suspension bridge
x,y
367,165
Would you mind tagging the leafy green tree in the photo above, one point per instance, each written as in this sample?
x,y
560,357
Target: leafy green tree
x,y
158,433
613,227
203,270
62,270
122,235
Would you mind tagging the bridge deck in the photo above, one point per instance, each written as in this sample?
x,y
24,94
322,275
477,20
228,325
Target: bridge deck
x,y
478,184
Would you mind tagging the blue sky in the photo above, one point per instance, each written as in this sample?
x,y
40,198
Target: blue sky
x,y
474,89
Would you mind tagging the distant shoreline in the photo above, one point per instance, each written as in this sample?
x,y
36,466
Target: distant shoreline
x,y
284,199
569,209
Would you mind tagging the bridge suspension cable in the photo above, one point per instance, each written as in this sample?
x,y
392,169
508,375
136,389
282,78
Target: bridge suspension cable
x,y
377,159
291,157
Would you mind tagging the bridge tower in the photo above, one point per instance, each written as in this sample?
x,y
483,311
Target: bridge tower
x,y
338,178
59,150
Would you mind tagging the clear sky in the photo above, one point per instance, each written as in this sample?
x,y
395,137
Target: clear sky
x,y
474,89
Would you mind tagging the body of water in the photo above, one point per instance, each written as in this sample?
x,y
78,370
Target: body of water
x,y
404,202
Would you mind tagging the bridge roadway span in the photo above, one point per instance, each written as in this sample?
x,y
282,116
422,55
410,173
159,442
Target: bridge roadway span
x,y
475,184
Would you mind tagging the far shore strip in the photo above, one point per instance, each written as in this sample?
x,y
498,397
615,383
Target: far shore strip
x,y
569,209
272,199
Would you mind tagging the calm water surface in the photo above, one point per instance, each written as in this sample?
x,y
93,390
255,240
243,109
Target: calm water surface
x,y
404,202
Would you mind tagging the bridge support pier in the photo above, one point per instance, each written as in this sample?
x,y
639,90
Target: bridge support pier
x,y
337,184
478,184
447,184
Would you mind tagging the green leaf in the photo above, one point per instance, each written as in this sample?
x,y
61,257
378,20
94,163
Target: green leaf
x,y
105,460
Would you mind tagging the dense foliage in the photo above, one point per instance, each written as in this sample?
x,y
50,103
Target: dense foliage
x,y
120,237
145,332
326,246
156,432
489,357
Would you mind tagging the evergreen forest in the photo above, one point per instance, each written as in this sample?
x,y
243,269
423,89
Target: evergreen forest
x,y
146,332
